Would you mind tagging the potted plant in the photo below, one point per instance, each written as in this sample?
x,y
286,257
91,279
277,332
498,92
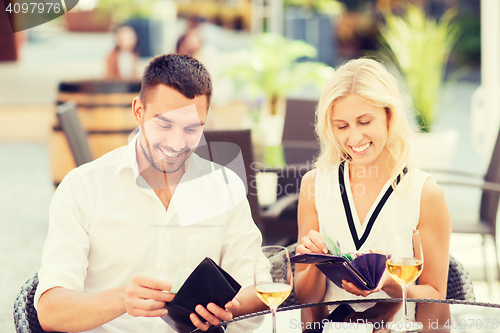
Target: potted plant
x,y
419,46
271,69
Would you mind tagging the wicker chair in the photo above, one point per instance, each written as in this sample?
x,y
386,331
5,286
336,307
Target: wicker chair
x,y
292,299
459,282
25,315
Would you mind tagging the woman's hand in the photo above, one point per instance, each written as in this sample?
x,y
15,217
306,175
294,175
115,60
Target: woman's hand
x,y
312,243
351,288
386,280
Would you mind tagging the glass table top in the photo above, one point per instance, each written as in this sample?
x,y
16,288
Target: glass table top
x,y
373,316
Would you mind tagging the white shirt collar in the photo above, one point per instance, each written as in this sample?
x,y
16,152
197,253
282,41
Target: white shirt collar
x,y
194,167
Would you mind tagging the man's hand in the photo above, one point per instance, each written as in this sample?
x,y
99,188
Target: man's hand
x,y
213,314
145,296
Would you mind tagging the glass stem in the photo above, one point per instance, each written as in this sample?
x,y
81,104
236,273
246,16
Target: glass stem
x,y
404,289
273,312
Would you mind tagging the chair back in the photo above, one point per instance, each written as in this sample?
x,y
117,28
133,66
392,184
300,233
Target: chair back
x,y
292,299
299,139
224,147
459,284
74,132
489,199
25,314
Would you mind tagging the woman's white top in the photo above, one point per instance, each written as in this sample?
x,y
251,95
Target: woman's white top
x,y
398,211
126,64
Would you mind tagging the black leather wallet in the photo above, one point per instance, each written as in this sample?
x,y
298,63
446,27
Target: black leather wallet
x,y
364,272
208,283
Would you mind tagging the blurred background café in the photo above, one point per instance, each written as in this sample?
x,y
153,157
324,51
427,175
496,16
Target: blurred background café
x,y
269,60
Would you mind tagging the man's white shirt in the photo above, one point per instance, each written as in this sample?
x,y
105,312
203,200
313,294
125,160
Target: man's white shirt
x,y
107,225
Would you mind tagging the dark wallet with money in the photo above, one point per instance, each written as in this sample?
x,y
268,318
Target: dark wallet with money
x,y
208,283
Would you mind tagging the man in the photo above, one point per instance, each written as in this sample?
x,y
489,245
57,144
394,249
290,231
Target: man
x,y
127,226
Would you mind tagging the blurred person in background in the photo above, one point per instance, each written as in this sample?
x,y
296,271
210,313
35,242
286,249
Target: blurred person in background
x,y
121,63
195,43
190,43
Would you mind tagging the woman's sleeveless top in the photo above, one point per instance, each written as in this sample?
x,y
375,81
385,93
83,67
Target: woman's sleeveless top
x,y
397,210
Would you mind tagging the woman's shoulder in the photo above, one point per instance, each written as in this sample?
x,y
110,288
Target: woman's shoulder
x,y
426,184
414,178
308,181
310,175
431,190
320,172
420,173
434,212
320,178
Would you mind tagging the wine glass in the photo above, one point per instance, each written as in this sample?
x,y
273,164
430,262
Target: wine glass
x,y
405,262
273,279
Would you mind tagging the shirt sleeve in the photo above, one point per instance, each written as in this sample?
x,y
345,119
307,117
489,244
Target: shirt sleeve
x,y
65,253
243,239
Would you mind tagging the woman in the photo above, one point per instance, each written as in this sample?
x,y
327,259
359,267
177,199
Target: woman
x,y
122,62
365,148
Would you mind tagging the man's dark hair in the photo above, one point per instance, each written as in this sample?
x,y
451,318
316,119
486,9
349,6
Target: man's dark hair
x,y
180,72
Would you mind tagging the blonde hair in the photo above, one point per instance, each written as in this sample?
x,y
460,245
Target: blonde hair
x,y
369,79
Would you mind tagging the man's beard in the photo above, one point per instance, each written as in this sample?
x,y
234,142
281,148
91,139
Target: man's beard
x,y
162,167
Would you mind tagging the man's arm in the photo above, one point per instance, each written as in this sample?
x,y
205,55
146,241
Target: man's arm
x,y
64,310
248,302
61,309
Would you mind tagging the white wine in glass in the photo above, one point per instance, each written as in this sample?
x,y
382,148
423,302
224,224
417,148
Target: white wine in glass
x,y
273,281
404,270
273,294
405,262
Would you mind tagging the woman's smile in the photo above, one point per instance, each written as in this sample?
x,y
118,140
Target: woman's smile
x,y
361,150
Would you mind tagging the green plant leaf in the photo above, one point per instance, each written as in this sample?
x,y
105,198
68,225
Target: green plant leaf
x,y
419,46
272,67
121,10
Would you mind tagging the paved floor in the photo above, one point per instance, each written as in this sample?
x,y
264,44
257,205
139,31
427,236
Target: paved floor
x,y
25,177
25,197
